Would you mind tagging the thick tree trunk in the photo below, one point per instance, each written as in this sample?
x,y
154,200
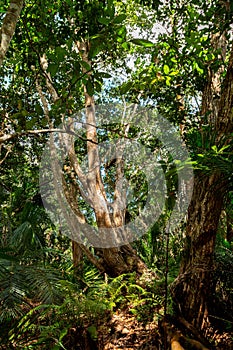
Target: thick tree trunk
x,y
193,287
8,26
111,216
77,257
117,261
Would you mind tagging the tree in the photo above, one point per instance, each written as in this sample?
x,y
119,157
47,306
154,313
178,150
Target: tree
x,y
203,217
191,80
61,66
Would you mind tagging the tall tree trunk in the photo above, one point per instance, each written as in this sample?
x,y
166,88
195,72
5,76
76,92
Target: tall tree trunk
x,y
8,26
193,287
77,257
114,260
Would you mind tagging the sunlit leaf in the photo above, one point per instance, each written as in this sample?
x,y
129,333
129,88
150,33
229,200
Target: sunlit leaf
x,y
142,42
166,69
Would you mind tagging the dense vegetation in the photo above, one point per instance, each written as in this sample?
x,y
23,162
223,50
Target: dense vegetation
x,y
63,285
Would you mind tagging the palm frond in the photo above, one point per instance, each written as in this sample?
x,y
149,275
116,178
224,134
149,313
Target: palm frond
x,y
46,284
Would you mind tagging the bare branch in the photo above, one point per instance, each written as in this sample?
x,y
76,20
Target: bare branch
x,y
49,83
8,137
6,155
94,176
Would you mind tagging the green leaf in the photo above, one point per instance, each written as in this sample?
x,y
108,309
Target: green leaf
x,y
126,87
104,75
166,69
120,39
96,47
69,43
24,113
98,86
63,333
142,42
5,256
96,36
122,31
104,20
90,89
56,347
110,11
198,68
168,81
133,311
53,68
39,109
60,53
30,123
174,72
119,19
214,148
126,45
223,148
85,65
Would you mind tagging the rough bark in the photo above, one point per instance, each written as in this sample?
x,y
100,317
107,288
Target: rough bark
x,y
193,287
8,26
77,257
120,260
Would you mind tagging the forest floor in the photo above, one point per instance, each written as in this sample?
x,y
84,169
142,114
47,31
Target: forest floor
x,y
124,331
130,334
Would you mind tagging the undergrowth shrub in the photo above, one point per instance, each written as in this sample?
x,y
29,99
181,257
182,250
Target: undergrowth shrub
x,y
56,326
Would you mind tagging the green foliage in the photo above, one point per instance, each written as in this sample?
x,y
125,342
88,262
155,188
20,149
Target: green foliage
x,y
61,307
20,284
142,42
143,298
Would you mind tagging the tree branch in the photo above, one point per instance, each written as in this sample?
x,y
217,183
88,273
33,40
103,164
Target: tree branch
x,y
6,155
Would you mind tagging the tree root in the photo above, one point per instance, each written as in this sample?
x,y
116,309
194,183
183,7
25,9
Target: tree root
x,y
173,330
